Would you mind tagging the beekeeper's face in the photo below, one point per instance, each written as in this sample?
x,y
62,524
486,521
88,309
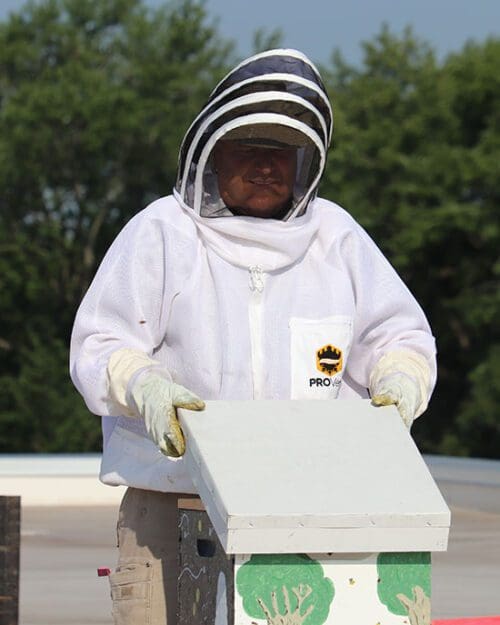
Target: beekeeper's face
x,y
253,180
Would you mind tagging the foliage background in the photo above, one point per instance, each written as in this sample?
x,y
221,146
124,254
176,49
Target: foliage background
x,y
94,100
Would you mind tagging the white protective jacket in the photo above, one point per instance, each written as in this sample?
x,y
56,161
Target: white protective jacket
x,y
240,307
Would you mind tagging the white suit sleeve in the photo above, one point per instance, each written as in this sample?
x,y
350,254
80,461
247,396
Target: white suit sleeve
x,y
388,318
124,308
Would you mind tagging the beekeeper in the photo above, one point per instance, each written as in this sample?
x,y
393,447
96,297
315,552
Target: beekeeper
x,y
241,285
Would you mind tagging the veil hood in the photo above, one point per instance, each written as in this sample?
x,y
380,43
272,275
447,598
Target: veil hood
x,y
276,97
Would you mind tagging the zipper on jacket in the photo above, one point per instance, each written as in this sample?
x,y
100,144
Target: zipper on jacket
x,y
256,284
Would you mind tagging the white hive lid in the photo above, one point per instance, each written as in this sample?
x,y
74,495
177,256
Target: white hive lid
x,y
313,477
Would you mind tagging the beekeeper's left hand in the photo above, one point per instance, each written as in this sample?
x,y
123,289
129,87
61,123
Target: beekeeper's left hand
x,y
401,378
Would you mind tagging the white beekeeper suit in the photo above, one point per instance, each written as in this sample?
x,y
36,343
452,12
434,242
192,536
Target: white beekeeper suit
x,y
235,307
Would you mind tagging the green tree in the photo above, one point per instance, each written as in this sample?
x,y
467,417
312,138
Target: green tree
x,y
285,589
415,159
473,301
399,574
478,422
94,99
38,407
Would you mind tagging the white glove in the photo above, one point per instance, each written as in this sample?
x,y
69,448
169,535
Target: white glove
x,y
156,399
401,378
140,387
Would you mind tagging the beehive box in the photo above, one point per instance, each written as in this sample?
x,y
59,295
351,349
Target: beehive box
x,y
317,512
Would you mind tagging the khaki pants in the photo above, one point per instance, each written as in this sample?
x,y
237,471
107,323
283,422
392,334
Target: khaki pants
x,y
144,585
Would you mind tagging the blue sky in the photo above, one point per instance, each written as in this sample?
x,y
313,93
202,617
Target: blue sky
x,y
318,26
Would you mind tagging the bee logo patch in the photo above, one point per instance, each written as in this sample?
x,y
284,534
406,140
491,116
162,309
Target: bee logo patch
x,y
329,359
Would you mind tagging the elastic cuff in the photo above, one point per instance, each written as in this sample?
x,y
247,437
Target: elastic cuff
x,y
122,365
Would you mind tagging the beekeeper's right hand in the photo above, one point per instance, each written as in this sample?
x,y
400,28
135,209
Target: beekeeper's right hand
x,y
142,388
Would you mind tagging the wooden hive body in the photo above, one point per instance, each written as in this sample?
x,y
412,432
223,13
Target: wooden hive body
x,y
319,513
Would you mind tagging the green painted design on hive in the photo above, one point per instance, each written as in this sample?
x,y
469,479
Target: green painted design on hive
x,y
400,573
299,577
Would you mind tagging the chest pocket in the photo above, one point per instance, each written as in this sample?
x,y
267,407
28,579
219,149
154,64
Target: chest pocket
x,y
319,349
